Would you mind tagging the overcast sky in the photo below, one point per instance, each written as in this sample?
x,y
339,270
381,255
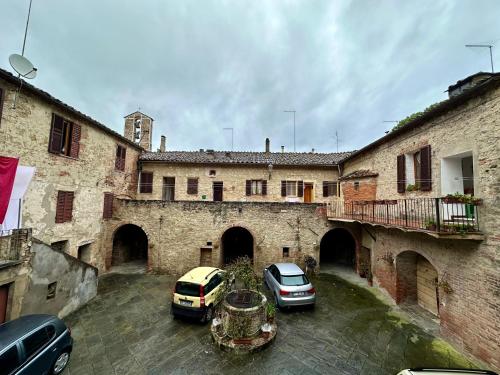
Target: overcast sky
x,y
197,67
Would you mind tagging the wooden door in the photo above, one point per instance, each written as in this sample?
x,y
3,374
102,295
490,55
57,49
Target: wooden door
x,y
426,285
4,299
206,257
308,188
218,187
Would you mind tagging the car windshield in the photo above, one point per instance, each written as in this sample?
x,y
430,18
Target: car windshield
x,y
187,289
294,280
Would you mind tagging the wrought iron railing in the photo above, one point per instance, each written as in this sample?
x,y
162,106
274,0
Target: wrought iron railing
x,y
430,214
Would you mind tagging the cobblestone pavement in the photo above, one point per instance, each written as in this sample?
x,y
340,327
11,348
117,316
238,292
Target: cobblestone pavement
x,y
128,329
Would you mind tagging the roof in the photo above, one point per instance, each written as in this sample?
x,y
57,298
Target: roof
x,y
46,96
361,173
440,109
17,328
244,157
198,275
289,269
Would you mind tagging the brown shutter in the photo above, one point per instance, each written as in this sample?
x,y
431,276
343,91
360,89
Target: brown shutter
x,y
401,174
1,103
146,182
107,212
325,188
300,188
56,134
248,187
264,187
75,140
283,188
425,168
123,157
192,186
61,195
68,206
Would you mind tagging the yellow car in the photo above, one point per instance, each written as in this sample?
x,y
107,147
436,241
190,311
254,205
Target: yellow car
x,y
195,293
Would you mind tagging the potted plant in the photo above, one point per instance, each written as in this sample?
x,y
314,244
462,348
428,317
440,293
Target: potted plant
x,y
430,225
311,264
270,312
462,198
411,187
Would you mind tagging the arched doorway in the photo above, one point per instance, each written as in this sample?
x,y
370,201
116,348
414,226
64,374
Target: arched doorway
x,y
338,248
236,242
130,244
417,281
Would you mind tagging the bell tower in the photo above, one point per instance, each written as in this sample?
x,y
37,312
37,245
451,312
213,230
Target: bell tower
x,y
139,129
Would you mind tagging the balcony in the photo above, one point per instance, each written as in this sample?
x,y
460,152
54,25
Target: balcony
x,y
438,217
11,246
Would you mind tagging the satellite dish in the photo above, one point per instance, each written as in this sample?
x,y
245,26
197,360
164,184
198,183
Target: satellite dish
x,y
22,66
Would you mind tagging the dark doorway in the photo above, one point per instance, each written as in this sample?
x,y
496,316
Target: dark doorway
x,y
130,243
4,299
218,187
339,248
236,242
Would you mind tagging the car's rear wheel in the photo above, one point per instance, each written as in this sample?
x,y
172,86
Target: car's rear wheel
x,y
60,363
209,314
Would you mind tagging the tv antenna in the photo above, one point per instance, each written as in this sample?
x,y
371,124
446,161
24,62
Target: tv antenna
x,y
484,46
336,136
232,137
23,67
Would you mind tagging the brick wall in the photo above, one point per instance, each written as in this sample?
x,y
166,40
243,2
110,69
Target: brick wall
x,y
364,189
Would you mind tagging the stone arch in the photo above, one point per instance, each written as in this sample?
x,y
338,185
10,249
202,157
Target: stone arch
x,y
339,246
416,280
130,242
236,241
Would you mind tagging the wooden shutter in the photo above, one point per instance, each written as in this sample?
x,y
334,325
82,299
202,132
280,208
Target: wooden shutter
x,y
264,187
61,195
121,154
74,149
56,134
192,186
425,168
248,188
1,103
401,174
68,206
107,212
283,188
146,182
325,188
300,188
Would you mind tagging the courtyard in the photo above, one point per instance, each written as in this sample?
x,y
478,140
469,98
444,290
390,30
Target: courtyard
x,y
128,329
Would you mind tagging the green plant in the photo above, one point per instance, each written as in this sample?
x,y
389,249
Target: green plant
x,y
443,284
414,116
310,262
462,198
270,311
411,187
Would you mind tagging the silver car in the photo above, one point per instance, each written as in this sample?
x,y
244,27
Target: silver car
x,y
289,285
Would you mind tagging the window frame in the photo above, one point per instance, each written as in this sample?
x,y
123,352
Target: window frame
x,y
192,188
69,133
120,157
64,206
295,184
330,189
142,188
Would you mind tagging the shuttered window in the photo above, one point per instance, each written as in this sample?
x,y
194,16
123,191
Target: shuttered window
x,y
256,187
107,212
1,104
64,137
292,188
425,169
121,153
146,182
64,206
401,174
329,188
192,186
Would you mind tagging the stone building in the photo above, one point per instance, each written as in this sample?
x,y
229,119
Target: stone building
x,y
440,253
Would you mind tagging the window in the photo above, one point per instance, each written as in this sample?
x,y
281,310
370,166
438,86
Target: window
x,y
107,212
146,182
51,290
212,284
121,153
192,186
292,188
286,252
1,103
329,188
64,137
9,360
169,189
187,289
256,187
64,206
356,185
414,169
294,280
212,173
60,245
35,342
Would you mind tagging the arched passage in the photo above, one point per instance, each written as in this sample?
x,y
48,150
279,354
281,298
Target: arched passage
x,y
338,247
130,244
416,281
236,242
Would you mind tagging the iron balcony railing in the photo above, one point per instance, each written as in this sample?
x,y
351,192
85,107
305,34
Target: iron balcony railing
x,y
429,214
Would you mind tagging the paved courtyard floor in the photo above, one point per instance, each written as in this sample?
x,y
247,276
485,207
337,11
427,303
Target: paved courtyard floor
x,y
128,329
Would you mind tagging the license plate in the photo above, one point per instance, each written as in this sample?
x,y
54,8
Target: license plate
x,y
298,294
186,303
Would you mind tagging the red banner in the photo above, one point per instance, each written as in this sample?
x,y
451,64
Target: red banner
x,y
8,167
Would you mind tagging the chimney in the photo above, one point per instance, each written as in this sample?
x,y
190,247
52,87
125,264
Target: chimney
x,y
312,150
163,141
268,145
282,149
468,83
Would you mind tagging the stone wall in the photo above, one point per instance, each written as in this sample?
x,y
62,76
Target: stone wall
x,y
234,180
27,129
177,231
